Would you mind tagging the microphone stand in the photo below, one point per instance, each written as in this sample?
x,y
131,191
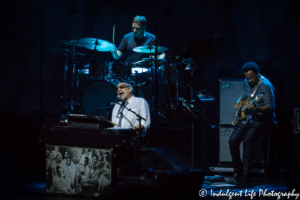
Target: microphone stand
x,y
194,119
140,118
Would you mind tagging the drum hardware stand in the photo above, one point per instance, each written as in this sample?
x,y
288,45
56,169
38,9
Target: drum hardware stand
x,y
167,10
74,79
65,78
192,147
40,111
103,72
202,48
74,103
136,83
168,89
63,108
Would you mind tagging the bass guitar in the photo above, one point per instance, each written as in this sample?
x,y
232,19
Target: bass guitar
x,y
241,114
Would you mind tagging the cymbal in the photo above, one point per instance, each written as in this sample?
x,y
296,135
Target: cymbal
x,y
147,62
159,60
69,51
71,43
147,49
140,63
101,45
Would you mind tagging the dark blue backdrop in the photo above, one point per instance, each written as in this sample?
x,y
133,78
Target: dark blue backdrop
x,y
250,28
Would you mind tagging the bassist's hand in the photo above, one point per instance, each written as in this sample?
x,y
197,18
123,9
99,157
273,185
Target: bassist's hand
x,y
251,107
238,105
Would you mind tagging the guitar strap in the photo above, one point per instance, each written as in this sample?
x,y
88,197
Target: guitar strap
x,y
256,88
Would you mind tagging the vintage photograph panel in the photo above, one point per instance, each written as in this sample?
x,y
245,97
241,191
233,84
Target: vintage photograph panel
x,y
74,170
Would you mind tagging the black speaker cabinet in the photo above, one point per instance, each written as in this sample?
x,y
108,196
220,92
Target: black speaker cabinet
x,y
230,91
224,152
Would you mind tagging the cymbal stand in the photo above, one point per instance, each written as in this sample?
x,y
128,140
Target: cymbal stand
x,y
103,72
167,9
65,78
136,83
151,68
74,104
61,107
74,81
177,80
192,147
168,89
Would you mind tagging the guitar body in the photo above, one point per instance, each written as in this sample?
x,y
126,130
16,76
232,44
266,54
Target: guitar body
x,y
241,114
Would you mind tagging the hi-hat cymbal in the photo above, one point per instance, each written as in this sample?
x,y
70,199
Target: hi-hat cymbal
x,y
159,60
69,51
149,61
148,49
101,45
142,63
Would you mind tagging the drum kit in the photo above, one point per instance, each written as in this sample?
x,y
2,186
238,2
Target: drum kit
x,y
94,81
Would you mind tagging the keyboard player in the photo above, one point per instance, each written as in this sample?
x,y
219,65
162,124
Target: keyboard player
x,y
126,119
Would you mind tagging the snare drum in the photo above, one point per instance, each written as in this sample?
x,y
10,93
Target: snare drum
x,y
99,94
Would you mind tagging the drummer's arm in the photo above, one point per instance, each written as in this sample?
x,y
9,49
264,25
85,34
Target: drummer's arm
x,y
116,54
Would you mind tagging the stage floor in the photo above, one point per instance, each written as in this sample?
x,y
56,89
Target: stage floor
x,y
24,184
18,181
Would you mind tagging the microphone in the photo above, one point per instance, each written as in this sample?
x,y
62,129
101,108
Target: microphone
x,y
115,100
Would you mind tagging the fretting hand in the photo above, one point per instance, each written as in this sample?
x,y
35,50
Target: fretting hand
x,y
251,107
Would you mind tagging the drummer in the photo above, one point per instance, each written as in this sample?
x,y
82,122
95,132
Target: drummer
x,y
138,37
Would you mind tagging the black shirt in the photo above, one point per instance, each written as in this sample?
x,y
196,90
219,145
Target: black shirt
x,y
129,42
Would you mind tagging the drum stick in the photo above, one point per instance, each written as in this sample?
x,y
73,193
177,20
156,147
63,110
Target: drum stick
x,y
113,39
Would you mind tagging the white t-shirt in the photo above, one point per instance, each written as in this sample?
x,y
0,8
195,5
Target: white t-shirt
x,y
129,120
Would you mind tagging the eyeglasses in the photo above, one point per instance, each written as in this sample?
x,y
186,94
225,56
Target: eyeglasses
x,y
122,87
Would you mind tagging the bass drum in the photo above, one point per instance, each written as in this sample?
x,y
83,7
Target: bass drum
x,y
98,94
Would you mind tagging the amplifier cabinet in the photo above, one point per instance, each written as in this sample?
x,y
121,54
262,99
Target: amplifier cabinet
x,y
230,91
224,151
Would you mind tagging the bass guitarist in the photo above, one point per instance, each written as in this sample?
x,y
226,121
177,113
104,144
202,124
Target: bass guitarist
x,y
259,116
